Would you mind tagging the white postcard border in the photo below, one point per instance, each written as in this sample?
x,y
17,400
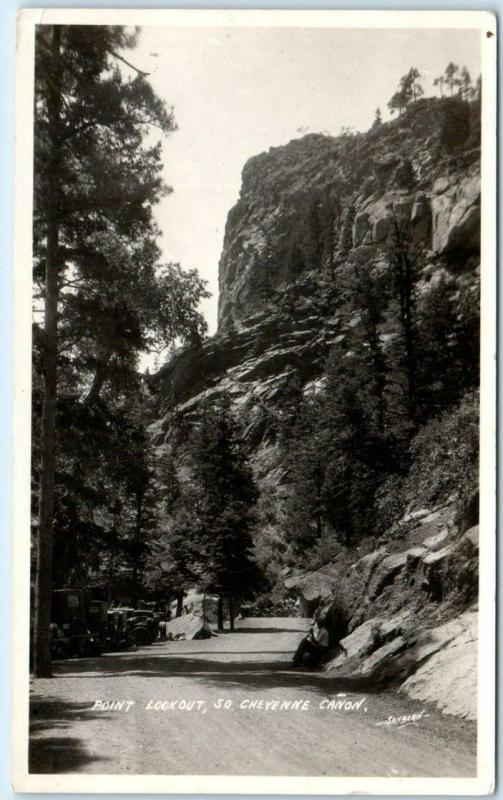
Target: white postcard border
x,y
23,781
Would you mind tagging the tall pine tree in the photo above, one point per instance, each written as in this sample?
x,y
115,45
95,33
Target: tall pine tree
x,y
95,252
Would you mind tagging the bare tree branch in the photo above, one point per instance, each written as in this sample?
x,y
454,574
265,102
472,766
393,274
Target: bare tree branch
x,y
139,71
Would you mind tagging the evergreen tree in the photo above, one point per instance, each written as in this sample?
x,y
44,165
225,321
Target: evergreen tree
x,y
226,495
398,103
440,83
411,86
378,119
305,456
95,254
465,83
404,270
451,79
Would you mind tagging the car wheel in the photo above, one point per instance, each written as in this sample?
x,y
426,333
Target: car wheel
x,y
141,637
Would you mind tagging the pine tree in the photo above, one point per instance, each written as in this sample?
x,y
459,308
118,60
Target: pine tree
x,y
411,85
226,495
451,78
398,103
403,262
378,118
440,83
95,254
465,83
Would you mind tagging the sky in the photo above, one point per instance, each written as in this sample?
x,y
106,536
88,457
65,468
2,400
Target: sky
x,y
238,91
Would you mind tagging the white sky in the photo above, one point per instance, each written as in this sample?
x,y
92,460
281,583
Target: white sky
x,y
236,92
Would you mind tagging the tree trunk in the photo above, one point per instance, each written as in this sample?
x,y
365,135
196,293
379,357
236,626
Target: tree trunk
x,y
137,548
220,614
43,580
179,604
98,380
231,612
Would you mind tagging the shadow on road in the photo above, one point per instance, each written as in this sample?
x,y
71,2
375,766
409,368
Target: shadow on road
x,y
261,630
49,754
250,675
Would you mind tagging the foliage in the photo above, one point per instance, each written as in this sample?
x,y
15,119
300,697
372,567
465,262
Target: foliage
x,y
444,464
96,182
207,541
409,91
455,127
451,79
378,118
350,448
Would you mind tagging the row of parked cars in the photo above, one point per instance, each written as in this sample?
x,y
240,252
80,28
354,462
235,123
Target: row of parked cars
x,y
84,626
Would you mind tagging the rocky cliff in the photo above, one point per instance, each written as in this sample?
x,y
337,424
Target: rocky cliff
x,y
303,210
307,213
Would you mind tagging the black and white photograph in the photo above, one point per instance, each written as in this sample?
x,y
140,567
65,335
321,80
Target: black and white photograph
x,y
255,526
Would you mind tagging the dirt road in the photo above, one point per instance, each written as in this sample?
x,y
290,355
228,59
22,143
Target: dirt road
x,y
251,714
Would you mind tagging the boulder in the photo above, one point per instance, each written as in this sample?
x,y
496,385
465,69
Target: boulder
x,y
472,536
188,626
395,626
200,605
314,587
360,228
363,639
456,217
446,671
371,636
386,573
415,516
381,229
375,663
438,556
365,566
414,556
461,571
441,185
421,218
433,542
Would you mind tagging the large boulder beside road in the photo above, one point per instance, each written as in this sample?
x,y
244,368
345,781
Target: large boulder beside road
x,y
188,626
313,588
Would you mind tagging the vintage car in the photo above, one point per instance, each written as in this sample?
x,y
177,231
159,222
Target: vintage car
x,y
71,639
70,632
145,626
130,626
97,618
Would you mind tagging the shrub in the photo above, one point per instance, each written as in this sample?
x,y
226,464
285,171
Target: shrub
x,y
455,125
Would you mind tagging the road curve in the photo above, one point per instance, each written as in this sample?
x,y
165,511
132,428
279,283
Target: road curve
x,y
233,705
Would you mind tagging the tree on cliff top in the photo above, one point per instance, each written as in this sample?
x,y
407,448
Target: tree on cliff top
x,y
451,76
95,252
410,90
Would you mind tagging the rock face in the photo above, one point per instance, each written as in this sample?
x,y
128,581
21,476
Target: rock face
x,y
303,210
313,587
417,586
358,188
448,677
306,212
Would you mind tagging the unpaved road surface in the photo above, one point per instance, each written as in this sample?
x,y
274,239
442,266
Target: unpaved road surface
x,y
226,730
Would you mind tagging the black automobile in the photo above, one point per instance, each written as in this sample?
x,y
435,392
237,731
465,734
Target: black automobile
x,y
71,639
144,627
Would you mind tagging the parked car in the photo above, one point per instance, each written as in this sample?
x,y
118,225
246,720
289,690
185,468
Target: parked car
x,y
97,617
71,639
70,632
144,627
119,629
